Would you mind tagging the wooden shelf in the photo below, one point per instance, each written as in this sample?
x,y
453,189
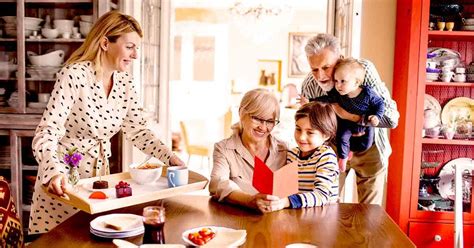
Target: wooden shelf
x,y
457,142
8,39
452,84
30,167
42,80
58,1
451,35
59,40
8,110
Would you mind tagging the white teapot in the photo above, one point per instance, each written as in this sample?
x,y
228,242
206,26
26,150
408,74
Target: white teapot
x,y
431,119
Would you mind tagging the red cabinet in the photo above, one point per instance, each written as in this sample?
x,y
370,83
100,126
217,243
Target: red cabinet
x,y
418,179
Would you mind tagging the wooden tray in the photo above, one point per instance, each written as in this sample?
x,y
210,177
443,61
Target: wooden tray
x,y
79,195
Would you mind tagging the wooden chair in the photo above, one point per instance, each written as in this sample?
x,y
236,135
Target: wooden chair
x,y
194,149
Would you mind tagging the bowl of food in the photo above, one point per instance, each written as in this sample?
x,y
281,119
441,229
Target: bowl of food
x,y
147,173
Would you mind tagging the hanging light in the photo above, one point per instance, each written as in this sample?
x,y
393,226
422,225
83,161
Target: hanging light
x,y
259,20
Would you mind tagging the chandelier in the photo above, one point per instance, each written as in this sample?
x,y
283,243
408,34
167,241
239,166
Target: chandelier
x,y
259,20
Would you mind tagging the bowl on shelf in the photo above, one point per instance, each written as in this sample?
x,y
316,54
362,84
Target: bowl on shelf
x,y
55,58
32,21
9,19
86,18
43,72
63,25
50,33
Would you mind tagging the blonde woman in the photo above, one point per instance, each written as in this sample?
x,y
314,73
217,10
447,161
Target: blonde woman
x,y
92,100
231,177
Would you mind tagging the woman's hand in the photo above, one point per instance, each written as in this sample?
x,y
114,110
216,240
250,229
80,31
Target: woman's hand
x,y
176,161
57,184
270,203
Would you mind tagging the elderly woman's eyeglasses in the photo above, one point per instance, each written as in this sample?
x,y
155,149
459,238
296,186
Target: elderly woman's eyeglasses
x,y
268,123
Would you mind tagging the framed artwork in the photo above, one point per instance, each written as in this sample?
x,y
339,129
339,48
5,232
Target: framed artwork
x,y
297,62
269,73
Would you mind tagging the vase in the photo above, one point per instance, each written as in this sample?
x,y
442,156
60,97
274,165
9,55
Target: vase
x,y
73,176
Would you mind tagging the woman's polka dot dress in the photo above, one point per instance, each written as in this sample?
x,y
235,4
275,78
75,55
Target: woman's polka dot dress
x,y
80,114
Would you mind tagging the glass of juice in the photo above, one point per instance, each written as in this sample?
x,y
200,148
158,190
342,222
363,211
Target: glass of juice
x,y
154,222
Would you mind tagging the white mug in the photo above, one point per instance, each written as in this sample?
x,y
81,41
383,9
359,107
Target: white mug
x,y
461,77
66,35
460,70
43,97
447,76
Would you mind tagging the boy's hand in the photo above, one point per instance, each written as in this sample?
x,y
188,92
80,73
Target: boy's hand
x,y
302,100
374,120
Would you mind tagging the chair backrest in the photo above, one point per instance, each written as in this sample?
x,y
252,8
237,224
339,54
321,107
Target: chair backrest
x,y
184,132
228,123
11,231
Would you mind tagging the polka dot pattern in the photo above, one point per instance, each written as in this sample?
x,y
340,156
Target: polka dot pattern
x,y
80,114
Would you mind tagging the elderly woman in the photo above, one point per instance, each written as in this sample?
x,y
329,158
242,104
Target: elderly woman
x,y
231,177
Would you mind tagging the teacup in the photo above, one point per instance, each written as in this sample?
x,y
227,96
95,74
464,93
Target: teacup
x,y
447,76
431,64
43,97
460,70
432,76
460,77
145,174
441,25
177,176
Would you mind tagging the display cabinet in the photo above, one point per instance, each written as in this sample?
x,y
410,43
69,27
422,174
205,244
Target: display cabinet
x,y
29,59
435,128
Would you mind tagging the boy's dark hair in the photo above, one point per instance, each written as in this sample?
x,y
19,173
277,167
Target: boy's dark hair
x,y
321,116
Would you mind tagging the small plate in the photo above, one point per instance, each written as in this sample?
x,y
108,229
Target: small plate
x,y
215,229
432,103
98,224
88,187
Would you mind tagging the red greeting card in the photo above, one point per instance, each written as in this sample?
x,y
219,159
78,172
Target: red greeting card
x,y
282,182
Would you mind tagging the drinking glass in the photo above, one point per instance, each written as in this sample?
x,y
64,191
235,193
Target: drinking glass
x,y
154,222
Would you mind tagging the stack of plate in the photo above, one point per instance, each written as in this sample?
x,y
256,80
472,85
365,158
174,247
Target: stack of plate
x,y
98,226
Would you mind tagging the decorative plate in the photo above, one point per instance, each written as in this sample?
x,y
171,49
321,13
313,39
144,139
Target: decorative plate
x,y
238,241
432,103
458,109
446,182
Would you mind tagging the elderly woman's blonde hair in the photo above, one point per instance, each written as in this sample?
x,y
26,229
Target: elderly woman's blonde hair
x,y
258,102
111,25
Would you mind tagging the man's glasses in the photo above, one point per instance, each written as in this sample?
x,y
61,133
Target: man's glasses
x,y
268,123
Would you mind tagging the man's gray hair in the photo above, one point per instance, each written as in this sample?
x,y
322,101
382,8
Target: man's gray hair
x,y
321,41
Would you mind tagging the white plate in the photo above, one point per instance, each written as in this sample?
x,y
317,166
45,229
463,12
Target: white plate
x,y
88,187
215,229
446,182
117,235
460,108
98,223
432,103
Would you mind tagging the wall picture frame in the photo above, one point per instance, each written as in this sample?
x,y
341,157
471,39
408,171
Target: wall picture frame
x,y
269,71
297,62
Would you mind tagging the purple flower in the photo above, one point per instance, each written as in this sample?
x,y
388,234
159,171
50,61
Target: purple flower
x,y
75,158
72,157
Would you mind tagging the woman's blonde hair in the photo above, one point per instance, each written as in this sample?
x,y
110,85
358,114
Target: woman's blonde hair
x,y
111,25
259,102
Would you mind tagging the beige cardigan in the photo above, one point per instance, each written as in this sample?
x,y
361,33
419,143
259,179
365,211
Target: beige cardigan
x,y
234,165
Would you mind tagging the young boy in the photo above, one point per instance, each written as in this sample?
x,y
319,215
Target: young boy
x,y
349,93
318,175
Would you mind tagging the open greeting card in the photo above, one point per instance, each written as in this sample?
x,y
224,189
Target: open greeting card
x,y
282,182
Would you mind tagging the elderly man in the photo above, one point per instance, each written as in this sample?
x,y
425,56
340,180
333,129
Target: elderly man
x,y
323,52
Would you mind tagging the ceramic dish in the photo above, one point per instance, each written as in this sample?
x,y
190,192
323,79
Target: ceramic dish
x,y
98,224
235,243
432,103
446,182
458,109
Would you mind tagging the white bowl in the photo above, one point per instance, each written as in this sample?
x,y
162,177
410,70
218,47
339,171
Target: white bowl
x,y
86,18
85,30
55,58
9,19
50,33
468,21
32,21
146,176
64,26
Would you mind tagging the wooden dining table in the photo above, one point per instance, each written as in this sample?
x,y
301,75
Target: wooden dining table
x,y
336,225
